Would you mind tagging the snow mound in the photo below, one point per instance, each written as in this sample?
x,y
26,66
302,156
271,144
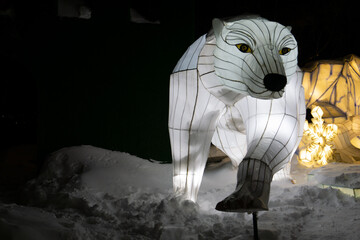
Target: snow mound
x,y
338,174
91,193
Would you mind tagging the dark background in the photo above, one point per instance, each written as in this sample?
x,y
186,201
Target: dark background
x,y
103,81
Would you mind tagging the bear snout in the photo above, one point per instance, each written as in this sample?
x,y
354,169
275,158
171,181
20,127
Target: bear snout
x,y
275,82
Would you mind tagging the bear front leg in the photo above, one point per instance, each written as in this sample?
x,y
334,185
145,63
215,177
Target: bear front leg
x,y
273,131
253,188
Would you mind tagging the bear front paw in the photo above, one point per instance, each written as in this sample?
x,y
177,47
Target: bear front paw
x,y
246,199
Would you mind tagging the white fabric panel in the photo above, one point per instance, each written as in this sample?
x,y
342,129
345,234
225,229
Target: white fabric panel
x,y
190,59
230,135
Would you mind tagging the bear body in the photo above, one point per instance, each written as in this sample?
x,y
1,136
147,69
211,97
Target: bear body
x,y
239,88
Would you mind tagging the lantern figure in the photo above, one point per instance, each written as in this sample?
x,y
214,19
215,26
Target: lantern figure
x,y
334,85
239,88
318,151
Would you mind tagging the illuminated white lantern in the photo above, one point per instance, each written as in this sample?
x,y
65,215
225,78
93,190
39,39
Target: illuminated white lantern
x,y
238,87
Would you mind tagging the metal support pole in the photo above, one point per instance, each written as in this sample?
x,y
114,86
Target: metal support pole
x,y
256,234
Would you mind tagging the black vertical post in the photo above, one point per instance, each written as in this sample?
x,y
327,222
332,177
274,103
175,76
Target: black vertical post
x,y
255,226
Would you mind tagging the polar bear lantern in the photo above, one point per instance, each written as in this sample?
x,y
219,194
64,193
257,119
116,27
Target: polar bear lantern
x,y
239,88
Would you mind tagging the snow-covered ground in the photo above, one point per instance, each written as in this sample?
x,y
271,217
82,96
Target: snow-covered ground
x,y
91,193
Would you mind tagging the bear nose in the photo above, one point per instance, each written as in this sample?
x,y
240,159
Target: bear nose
x,y
274,82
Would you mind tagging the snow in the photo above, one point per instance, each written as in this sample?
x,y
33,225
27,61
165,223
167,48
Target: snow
x,y
338,174
91,193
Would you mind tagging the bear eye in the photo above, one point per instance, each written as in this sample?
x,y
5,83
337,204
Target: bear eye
x,y
284,51
244,48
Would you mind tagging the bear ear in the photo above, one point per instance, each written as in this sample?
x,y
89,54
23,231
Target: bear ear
x,y
217,26
289,28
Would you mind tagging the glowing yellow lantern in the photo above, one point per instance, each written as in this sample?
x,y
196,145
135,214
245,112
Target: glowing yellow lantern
x,y
318,151
334,86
